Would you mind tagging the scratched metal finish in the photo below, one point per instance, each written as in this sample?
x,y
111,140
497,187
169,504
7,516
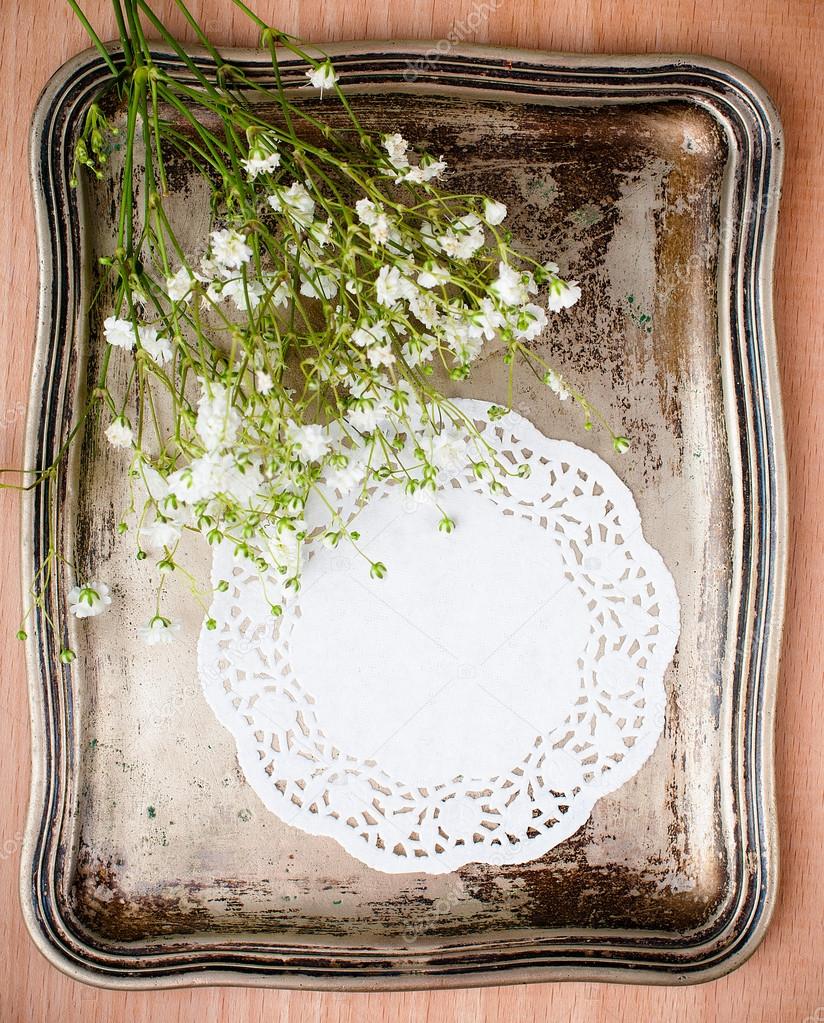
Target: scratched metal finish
x,y
150,861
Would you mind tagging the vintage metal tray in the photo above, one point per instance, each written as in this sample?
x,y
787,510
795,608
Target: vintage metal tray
x,y
149,862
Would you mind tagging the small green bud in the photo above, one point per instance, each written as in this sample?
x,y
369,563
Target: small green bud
x,y
276,610
621,444
141,555
378,570
22,634
222,586
67,655
122,528
446,525
525,470
211,624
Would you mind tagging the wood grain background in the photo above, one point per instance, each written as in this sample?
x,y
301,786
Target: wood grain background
x,y
782,44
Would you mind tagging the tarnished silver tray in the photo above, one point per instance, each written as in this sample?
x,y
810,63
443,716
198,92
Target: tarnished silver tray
x,y
149,862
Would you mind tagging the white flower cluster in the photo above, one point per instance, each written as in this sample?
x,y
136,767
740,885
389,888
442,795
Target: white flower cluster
x,y
306,352
299,351
426,169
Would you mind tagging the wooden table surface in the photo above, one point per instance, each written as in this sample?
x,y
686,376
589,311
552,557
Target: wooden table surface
x,y
782,44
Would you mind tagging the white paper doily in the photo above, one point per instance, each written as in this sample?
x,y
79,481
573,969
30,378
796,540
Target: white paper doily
x,y
474,704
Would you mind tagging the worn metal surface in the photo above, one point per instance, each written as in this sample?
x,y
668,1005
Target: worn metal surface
x,y
149,861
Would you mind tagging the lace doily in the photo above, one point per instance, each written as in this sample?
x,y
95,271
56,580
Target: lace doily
x,y
476,702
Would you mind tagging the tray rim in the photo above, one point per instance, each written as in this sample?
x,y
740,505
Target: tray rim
x,y
475,72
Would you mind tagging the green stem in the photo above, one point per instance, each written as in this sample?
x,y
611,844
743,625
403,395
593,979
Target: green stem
x,y
98,44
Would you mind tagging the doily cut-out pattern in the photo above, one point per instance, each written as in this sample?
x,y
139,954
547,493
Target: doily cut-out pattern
x,y
474,704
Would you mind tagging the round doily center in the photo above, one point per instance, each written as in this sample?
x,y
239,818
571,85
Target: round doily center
x,y
454,662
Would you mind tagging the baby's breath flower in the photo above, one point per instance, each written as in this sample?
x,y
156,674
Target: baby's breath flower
x,y
218,421
382,230
562,294
259,163
380,355
158,347
463,238
530,321
119,433
159,534
229,249
433,276
488,318
511,286
296,202
396,147
419,351
392,286
312,352
367,211
323,76
449,449
381,227
89,600
245,294
556,384
281,295
366,414
494,212
179,285
159,631
318,285
427,170
369,334
345,478
198,481
320,232
311,442
119,333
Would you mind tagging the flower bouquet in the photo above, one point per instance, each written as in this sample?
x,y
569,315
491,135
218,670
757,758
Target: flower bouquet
x,y
307,346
